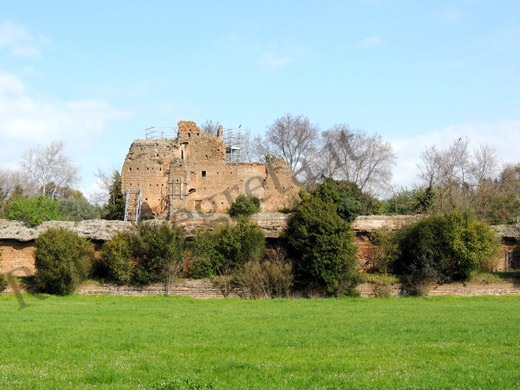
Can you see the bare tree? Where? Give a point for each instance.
(252, 149)
(458, 175)
(295, 139)
(50, 168)
(15, 181)
(355, 156)
(210, 127)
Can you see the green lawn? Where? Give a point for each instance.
(135, 342)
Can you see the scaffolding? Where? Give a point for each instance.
(161, 132)
(233, 141)
(178, 189)
(133, 205)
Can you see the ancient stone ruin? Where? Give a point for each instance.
(192, 172)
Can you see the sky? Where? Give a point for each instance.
(95, 74)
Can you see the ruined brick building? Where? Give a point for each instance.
(192, 172)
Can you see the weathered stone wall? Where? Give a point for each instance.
(17, 240)
(366, 290)
(199, 161)
(206, 289)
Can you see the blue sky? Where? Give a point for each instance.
(95, 74)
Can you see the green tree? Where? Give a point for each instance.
(63, 260)
(322, 245)
(77, 208)
(244, 206)
(349, 200)
(34, 210)
(115, 208)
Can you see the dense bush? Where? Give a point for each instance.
(349, 200)
(203, 258)
(63, 260)
(157, 247)
(450, 247)
(238, 245)
(244, 206)
(322, 246)
(117, 256)
(34, 210)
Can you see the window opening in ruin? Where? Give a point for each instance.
(203, 173)
(182, 154)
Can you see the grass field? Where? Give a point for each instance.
(178, 343)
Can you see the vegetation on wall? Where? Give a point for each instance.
(244, 206)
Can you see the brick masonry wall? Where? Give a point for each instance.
(199, 160)
(17, 258)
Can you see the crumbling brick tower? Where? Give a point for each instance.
(191, 172)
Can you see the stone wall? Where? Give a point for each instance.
(206, 289)
(366, 290)
(17, 240)
(195, 164)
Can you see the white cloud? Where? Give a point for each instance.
(504, 136)
(19, 41)
(27, 119)
(371, 41)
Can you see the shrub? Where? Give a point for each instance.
(244, 206)
(117, 256)
(238, 245)
(271, 278)
(34, 210)
(203, 258)
(322, 245)
(253, 280)
(156, 246)
(280, 272)
(444, 248)
(63, 260)
(3, 282)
